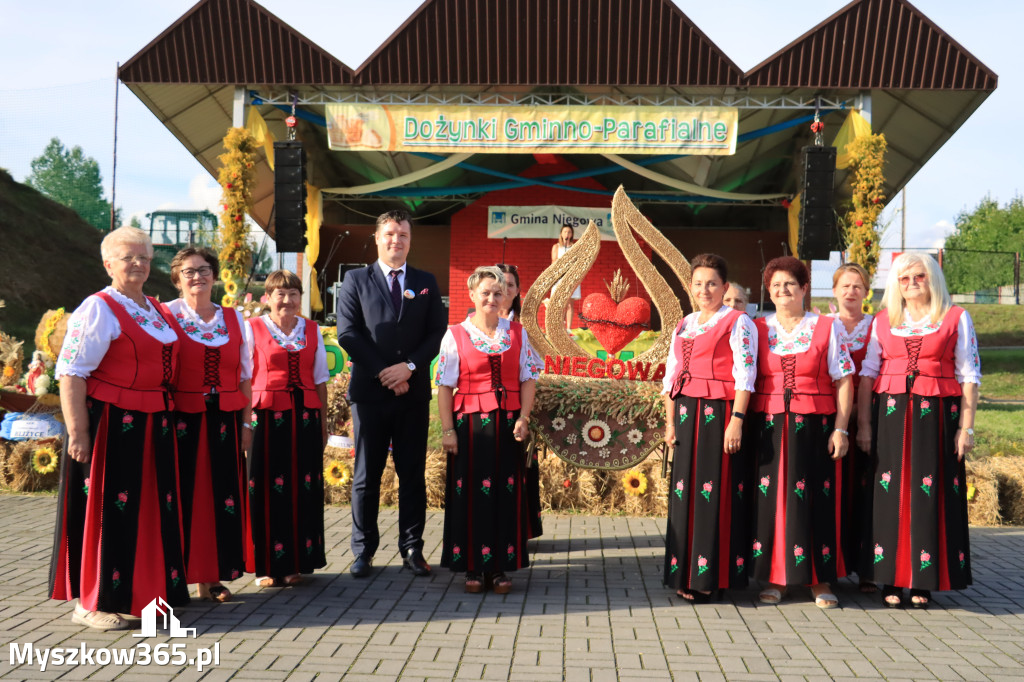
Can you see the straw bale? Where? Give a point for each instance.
(983, 508)
(23, 477)
(1009, 474)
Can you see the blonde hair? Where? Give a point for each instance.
(937, 291)
(487, 272)
(851, 267)
(124, 236)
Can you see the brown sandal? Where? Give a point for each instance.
(213, 592)
(499, 583)
(293, 579)
(474, 584)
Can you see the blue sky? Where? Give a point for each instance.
(59, 61)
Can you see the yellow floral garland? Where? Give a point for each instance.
(860, 225)
(236, 176)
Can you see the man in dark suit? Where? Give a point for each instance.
(390, 321)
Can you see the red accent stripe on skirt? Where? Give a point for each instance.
(777, 574)
(92, 536)
(903, 574)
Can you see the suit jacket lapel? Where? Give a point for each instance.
(410, 282)
(382, 286)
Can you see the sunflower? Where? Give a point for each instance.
(337, 473)
(867, 308)
(9, 371)
(227, 275)
(230, 287)
(44, 460)
(227, 300)
(634, 482)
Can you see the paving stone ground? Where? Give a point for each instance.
(591, 607)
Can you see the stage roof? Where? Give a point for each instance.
(919, 85)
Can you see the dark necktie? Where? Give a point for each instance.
(396, 292)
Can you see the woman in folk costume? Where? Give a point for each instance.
(511, 309)
(708, 380)
(118, 537)
(851, 286)
(800, 421)
(917, 418)
(286, 487)
(212, 403)
(486, 379)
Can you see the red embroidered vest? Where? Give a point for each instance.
(204, 369)
(136, 372)
(484, 377)
(802, 377)
(922, 365)
(276, 371)
(704, 363)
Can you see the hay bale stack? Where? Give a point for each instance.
(983, 506)
(22, 474)
(1009, 474)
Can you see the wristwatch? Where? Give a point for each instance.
(970, 432)
(411, 366)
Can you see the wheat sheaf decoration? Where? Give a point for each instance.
(569, 271)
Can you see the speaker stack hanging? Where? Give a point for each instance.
(290, 196)
(818, 232)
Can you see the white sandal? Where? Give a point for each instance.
(98, 620)
(770, 595)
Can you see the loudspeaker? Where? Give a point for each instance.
(290, 196)
(818, 233)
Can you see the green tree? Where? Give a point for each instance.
(73, 179)
(135, 222)
(989, 227)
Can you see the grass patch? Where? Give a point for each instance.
(1002, 374)
(999, 431)
(997, 325)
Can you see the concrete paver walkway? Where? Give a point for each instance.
(591, 607)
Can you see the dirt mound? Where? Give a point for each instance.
(49, 258)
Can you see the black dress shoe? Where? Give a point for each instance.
(415, 562)
(361, 566)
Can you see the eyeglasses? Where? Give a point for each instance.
(141, 260)
(917, 277)
(204, 271)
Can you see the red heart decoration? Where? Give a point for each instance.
(615, 325)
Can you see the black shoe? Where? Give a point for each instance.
(361, 566)
(924, 595)
(414, 561)
(892, 591)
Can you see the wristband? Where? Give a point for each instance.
(445, 432)
(738, 414)
(843, 431)
(246, 425)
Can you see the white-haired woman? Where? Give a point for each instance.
(485, 377)
(118, 535)
(917, 419)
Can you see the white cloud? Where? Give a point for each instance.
(205, 192)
